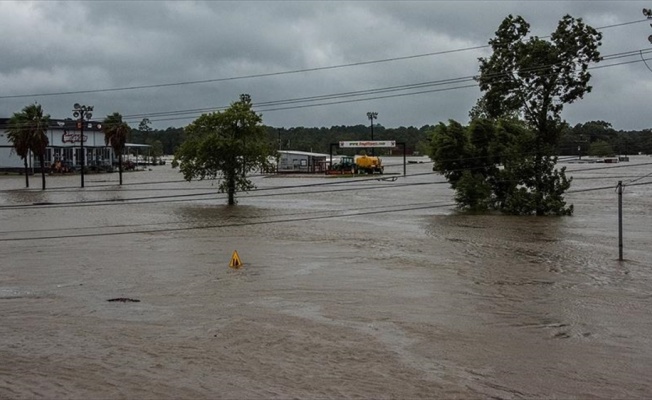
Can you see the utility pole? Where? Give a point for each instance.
(280, 147)
(372, 115)
(619, 189)
(82, 114)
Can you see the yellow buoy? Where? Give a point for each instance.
(235, 260)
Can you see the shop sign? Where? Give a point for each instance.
(68, 137)
(369, 143)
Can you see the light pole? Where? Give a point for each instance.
(82, 114)
(372, 115)
(648, 14)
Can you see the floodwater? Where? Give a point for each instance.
(351, 288)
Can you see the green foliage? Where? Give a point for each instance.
(302, 138)
(472, 192)
(145, 129)
(115, 135)
(533, 79)
(319, 139)
(156, 150)
(115, 132)
(490, 165)
(601, 148)
(27, 133)
(225, 146)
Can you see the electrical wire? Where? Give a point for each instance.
(265, 222)
(413, 206)
(243, 217)
(223, 226)
(295, 71)
(256, 192)
(190, 197)
(366, 95)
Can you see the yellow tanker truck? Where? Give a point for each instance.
(361, 165)
(369, 165)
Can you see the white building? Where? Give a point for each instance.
(302, 161)
(65, 146)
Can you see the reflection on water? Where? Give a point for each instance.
(219, 214)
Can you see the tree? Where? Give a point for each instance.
(601, 148)
(485, 166)
(225, 146)
(115, 135)
(145, 129)
(27, 133)
(156, 151)
(534, 79)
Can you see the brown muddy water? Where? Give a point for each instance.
(350, 289)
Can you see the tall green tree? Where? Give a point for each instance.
(27, 133)
(156, 151)
(484, 164)
(225, 146)
(144, 127)
(145, 130)
(115, 135)
(534, 78)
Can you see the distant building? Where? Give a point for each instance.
(301, 162)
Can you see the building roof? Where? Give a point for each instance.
(68, 123)
(137, 145)
(302, 153)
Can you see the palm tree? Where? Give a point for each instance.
(115, 135)
(27, 133)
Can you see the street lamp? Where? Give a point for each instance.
(648, 14)
(82, 114)
(372, 115)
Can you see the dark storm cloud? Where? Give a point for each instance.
(53, 47)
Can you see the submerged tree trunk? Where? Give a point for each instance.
(41, 159)
(26, 173)
(231, 189)
(538, 195)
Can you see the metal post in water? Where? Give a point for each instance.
(404, 161)
(620, 220)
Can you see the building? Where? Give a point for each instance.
(64, 149)
(301, 162)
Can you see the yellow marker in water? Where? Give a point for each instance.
(235, 260)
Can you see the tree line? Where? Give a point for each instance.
(310, 139)
(596, 138)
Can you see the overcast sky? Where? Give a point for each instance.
(157, 59)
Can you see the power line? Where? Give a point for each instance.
(266, 222)
(289, 72)
(257, 192)
(407, 207)
(296, 71)
(194, 197)
(245, 217)
(369, 94)
(230, 225)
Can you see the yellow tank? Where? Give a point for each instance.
(369, 165)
